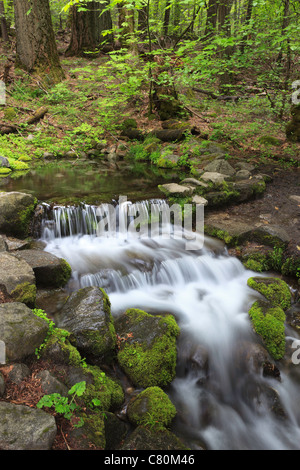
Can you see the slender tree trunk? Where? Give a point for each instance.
(247, 21)
(4, 28)
(166, 19)
(87, 27)
(36, 46)
(211, 20)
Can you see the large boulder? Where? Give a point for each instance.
(148, 347)
(49, 270)
(16, 211)
(86, 314)
(17, 276)
(24, 428)
(21, 331)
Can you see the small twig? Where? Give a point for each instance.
(196, 114)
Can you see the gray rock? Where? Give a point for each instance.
(214, 177)
(49, 270)
(4, 163)
(244, 166)
(18, 373)
(21, 331)
(3, 245)
(18, 278)
(174, 189)
(220, 166)
(86, 315)
(200, 200)
(24, 428)
(193, 182)
(243, 175)
(16, 211)
(295, 198)
(50, 384)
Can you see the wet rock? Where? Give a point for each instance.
(115, 431)
(49, 270)
(151, 404)
(21, 331)
(144, 439)
(18, 278)
(16, 211)
(147, 338)
(86, 314)
(24, 428)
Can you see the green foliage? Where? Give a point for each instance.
(63, 405)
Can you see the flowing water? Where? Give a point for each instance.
(223, 401)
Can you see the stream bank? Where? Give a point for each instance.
(262, 231)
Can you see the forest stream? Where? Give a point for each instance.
(222, 401)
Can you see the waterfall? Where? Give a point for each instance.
(223, 402)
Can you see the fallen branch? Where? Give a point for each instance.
(38, 115)
(218, 97)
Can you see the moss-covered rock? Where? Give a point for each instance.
(16, 211)
(268, 323)
(148, 353)
(92, 434)
(273, 289)
(50, 271)
(106, 390)
(145, 439)
(25, 293)
(152, 407)
(86, 314)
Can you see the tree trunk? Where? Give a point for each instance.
(211, 20)
(87, 28)
(247, 21)
(166, 19)
(4, 28)
(36, 46)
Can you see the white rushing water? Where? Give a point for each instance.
(222, 401)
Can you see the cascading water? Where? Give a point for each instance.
(223, 401)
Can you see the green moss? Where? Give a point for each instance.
(25, 293)
(18, 165)
(275, 290)
(64, 273)
(152, 407)
(24, 218)
(106, 390)
(93, 431)
(150, 361)
(256, 262)
(5, 171)
(221, 235)
(291, 267)
(269, 324)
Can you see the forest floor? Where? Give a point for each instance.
(100, 93)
